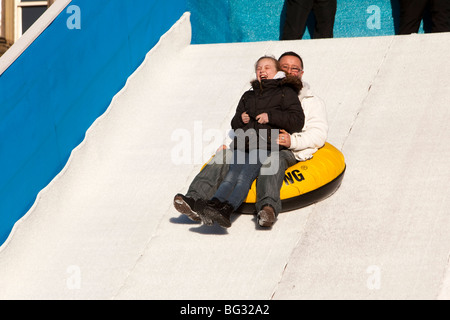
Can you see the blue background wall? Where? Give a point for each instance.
(66, 79)
(255, 20)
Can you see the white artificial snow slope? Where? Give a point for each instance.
(105, 228)
(445, 291)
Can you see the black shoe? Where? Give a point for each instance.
(185, 205)
(219, 212)
(199, 208)
(266, 217)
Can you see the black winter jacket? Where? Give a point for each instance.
(279, 99)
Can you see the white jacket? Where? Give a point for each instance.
(315, 131)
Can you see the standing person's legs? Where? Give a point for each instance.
(440, 15)
(411, 14)
(297, 12)
(325, 13)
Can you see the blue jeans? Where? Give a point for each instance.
(238, 181)
(269, 184)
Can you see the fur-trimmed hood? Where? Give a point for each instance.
(280, 79)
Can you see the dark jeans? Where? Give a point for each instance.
(238, 181)
(208, 180)
(412, 11)
(268, 186)
(297, 12)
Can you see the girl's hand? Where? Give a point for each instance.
(263, 118)
(245, 118)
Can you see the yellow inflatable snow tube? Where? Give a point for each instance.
(307, 182)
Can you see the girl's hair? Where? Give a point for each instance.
(275, 61)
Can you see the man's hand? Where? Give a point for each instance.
(263, 118)
(284, 139)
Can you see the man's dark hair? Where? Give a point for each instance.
(293, 54)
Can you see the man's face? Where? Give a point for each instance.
(292, 65)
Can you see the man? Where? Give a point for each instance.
(297, 12)
(412, 11)
(302, 146)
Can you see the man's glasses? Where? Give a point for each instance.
(291, 69)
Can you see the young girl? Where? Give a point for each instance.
(272, 104)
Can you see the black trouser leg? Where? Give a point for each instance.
(297, 12)
(411, 13)
(207, 181)
(325, 13)
(440, 15)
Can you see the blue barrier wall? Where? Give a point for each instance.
(65, 80)
(255, 20)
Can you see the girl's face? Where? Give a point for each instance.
(266, 69)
